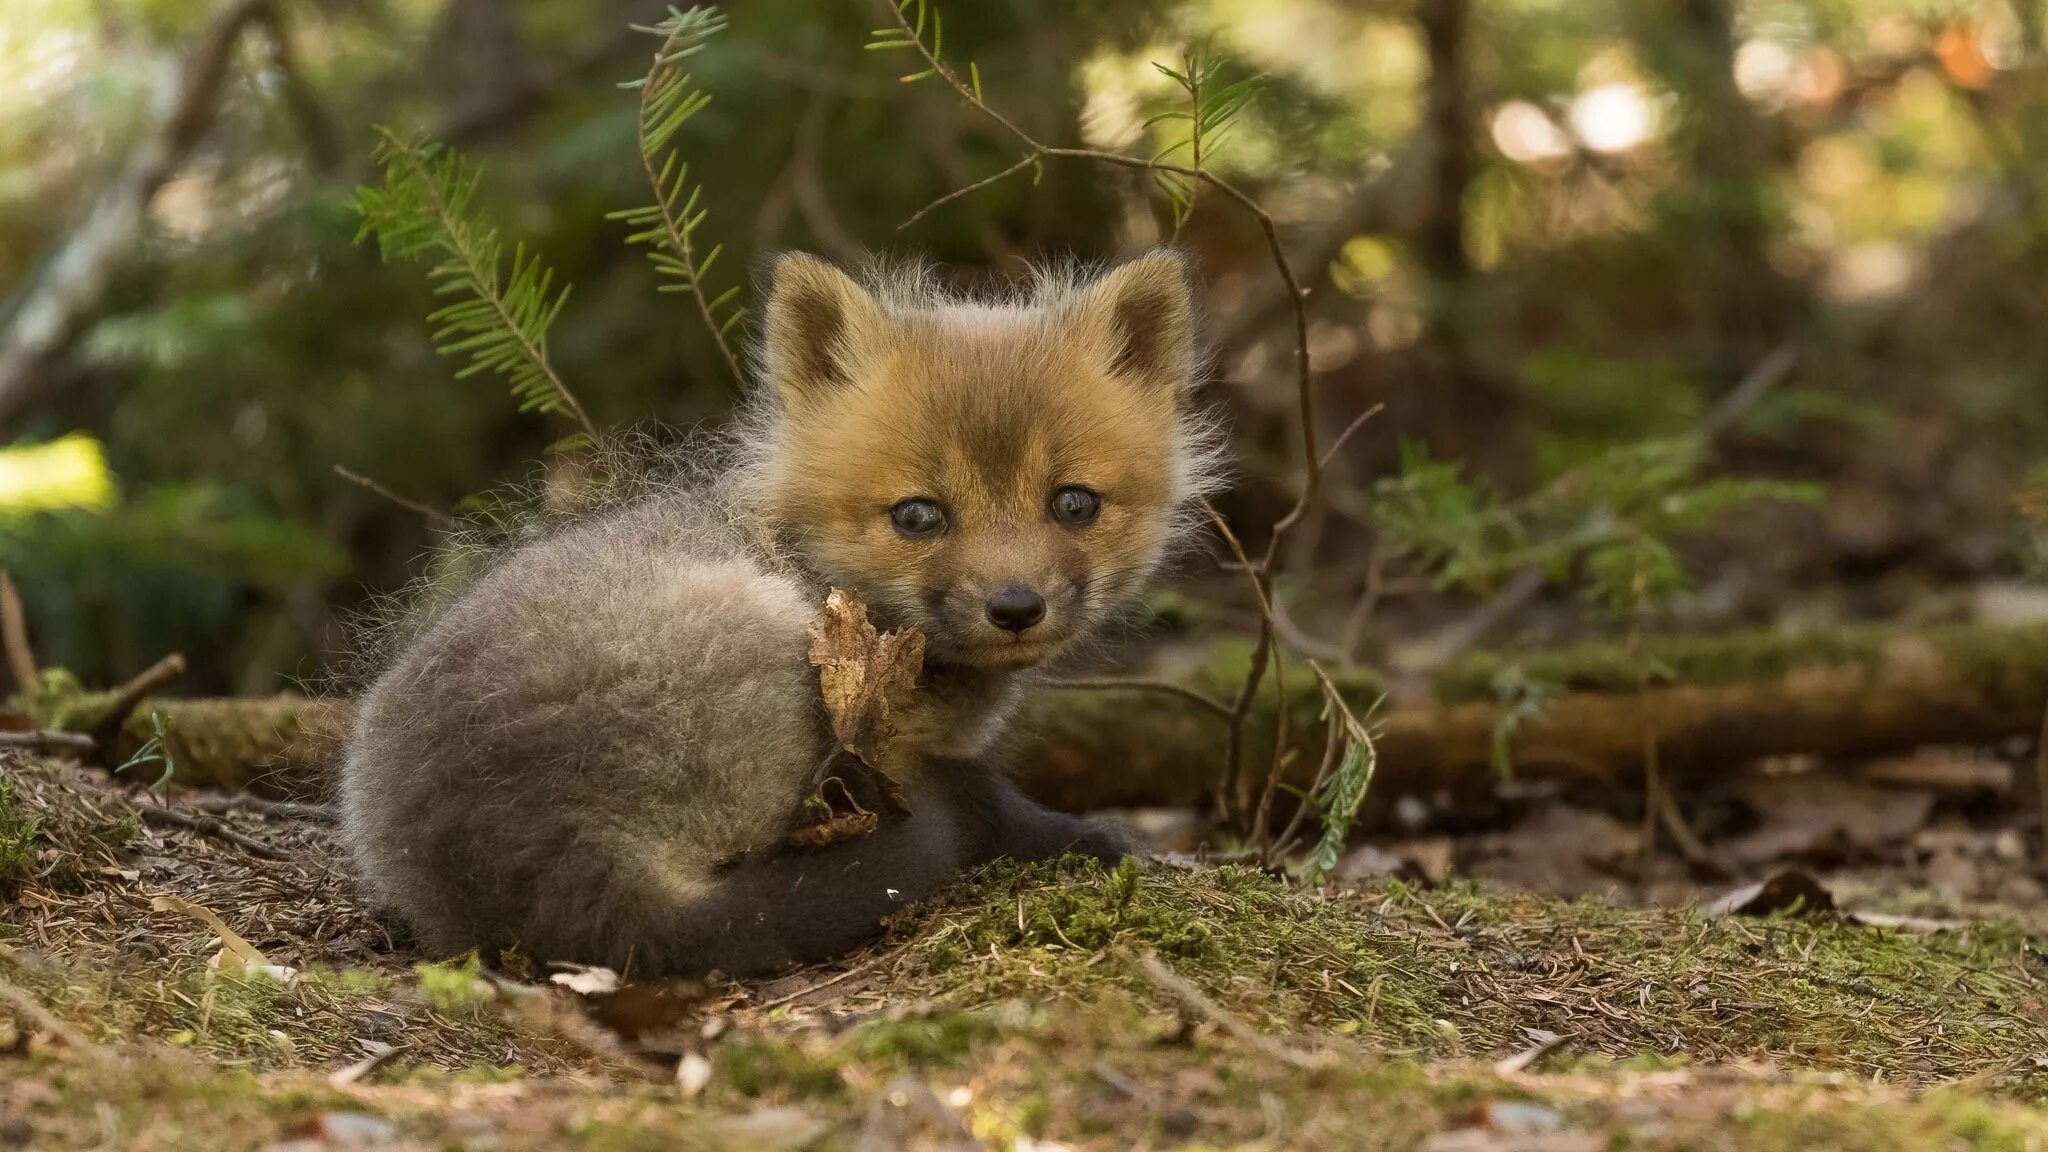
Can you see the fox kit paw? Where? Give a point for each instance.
(1103, 839)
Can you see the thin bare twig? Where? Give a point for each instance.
(262, 806)
(208, 826)
(1173, 984)
(427, 512)
(32, 1010)
(21, 658)
(108, 731)
(1368, 603)
(1162, 687)
(1333, 747)
(1351, 429)
(1751, 389)
(45, 740)
(1295, 635)
(820, 986)
(1298, 637)
(1235, 802)
(1683, 838)
(1266, 649)
(969, 190)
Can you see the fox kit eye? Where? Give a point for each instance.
(917, 518)
(1075, 506)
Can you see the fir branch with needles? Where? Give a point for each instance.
(667, 228)
(500, 317)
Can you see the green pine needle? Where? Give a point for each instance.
(498, 322)
(669, 99)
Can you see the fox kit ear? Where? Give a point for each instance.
(1148, 308)
(814, 316)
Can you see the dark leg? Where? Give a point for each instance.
(787, 905)
(1000, 821)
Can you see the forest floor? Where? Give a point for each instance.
(165, 985)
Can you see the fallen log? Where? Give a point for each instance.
(1713, 704)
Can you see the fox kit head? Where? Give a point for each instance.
(1001, 475)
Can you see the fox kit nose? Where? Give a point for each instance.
(1013, 608)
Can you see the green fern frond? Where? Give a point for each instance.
(499, 322)
(667, 228)
(1338, 798)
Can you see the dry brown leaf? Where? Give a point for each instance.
(236, 956)
(1792, 890)
(1812, 815)
(840, 816)
(835, 829)
(866, 676)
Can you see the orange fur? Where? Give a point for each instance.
(888, 391)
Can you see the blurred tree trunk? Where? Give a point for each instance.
(475, 54)
(1469, 414)
(1720, 216)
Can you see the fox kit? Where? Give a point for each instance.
(598, 751)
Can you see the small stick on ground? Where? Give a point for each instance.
(1683, 838)
(108, 731)
(45, 741)
(1172, 983)
(283, 809)
(32, 1010)
(21, 659)
(208, 826)
(821, 985)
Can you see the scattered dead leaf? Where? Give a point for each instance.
(1942, 769)
(1541, 1042)
(585, 979)
(236, 956)
(1426, 861)
(1918, 925)
(1788, 891)
(866, 675)
(657, 1016)
(1560, 848)
(1820, 815)
(839, 816)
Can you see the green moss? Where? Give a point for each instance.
(17, 842)
(1044, 931)
(768, 1066)
(455, 987)
(2006, 664)
(1459, 972)
(1704, 660)
(114, 833)
(922, 1040)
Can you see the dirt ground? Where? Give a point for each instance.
(199, 975)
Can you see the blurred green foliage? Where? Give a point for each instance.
(1658, 196)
